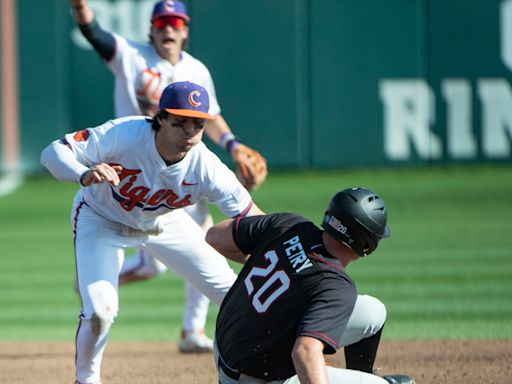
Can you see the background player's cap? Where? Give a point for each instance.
(184, 98)
(170, 8)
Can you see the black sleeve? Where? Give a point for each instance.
(248, 232)
(102, 41)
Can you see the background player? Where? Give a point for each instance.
(134, 171)
(293, 301)
(141, 73)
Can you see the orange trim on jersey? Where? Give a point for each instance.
(82, 135)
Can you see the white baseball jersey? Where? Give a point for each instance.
(141, 212)
(141, 75)
(149, 188)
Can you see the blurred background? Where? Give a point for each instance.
(412, 98)
(323, 84)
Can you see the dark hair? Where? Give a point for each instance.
(161, 114)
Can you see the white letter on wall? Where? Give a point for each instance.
(461, 141)
(506, 32)
(409, 111)
(496, 99)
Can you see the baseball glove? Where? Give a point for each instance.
(251, 167)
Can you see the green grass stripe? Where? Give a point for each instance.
(445, 272)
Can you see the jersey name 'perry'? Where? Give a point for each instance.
(296, 255)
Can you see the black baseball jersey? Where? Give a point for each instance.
(290, 287)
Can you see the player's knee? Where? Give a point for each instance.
(372, 314)
(105, 305)
(366, 320)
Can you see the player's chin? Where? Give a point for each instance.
(187, 146)
(167, 47)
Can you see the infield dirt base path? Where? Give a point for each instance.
(429, 362)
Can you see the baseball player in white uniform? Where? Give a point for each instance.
(141, 72)
(136, 173)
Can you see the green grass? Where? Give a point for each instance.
(446, 271)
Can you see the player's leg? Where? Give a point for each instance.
(143, 266)
(335, 375)
(362, 335)
(140, 266)
(97, 266)
(349, 376)
(193, 336)
(182, 248)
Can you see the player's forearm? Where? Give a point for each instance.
(219, 132)
(101, 40)
(62, 163)
(214, 129)
(83, 14)
(254, 211)
(309, 362)
(310, 372)
(220, 237)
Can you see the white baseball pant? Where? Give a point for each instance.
(196, 304)
(99, 252)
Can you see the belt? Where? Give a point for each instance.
(229, 372)
(132, 232)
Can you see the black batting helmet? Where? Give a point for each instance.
(357, 216)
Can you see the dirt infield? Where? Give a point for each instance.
(430, 362)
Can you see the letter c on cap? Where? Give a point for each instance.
(191, 100)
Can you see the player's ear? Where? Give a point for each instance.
(161, 120)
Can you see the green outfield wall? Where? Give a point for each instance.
(310, 83)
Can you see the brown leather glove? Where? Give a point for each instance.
(251, 167)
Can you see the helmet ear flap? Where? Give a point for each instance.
(370, 245)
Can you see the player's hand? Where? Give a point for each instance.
(81, 11)
(77, 4)
(251, 167)
(101, 172)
